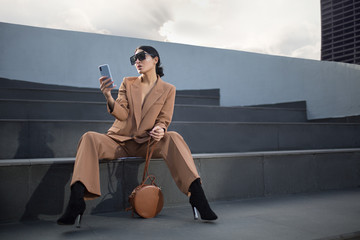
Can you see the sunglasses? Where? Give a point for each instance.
(141, 56)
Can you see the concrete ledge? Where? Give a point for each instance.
(31, 188)
(59, 138)
(96, 110)
(47, 161)
(201, 97)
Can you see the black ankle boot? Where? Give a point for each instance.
(76, 206)
(198, 202)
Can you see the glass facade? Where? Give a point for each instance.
(340, 31)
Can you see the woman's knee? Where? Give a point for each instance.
(88, 138)
(172, 134)
(173, 137)
(89, 135)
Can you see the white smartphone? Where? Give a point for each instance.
(105, 72)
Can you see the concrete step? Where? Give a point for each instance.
(13, 89)
(59, 138)
(238, 114)
(42, 185)
(78, 110)
(349, 119)
(94, 96)
(297, 104)
(205, 137)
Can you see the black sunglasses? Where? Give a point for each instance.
(141, 56)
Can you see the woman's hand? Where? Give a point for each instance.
(157, 133)
(105, 84)
(105, 88)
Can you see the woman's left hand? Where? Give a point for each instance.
(157, 133)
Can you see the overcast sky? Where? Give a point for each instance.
(279, 27)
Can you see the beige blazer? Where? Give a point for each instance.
(133, 119)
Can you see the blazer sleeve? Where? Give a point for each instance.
(165, 116)
(121, 106)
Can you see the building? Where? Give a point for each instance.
(340, 22)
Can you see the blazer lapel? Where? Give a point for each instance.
(153, 96)
(136, 98)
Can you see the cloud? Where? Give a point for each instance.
(279, 27)
(276, 27)
(302, 41)
(76, 19)
(131, 18)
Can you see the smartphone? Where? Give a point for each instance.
(105, 72)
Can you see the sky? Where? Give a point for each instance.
(278, 27)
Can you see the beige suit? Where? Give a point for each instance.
(128, 136)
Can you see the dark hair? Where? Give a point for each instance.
(152, 51)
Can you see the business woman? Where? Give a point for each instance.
(143, 110)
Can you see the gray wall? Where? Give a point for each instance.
(71, 58)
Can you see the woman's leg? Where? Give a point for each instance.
(92, 147)
(178, 158)
(173, 149)
(85, 181)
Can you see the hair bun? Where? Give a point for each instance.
(159, 71)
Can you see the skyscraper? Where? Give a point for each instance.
(340, 30)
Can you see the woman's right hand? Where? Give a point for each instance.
(105, 88)
(105, 84)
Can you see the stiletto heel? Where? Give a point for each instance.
(196, 216)
(76, 206)
(72, 215)
(199, 202)
(78, 220)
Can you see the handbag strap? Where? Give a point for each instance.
(149, 153)
(152, 180)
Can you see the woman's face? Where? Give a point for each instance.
(146, 65)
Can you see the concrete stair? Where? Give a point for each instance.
(86, 110)
(59, 138)
(16, 90)
(240, 151)
(37, 187)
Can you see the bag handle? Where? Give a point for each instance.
(152, 180)
(149, 153)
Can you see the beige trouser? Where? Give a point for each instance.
(94, 146)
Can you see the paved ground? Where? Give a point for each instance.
(329, 215)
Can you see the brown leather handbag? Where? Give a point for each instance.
(146, 200)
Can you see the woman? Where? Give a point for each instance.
(142, 110)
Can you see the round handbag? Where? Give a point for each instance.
(147, 200)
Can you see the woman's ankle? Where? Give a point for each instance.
(77, 191)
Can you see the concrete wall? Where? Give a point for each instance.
(42, 185)
(71, 58)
